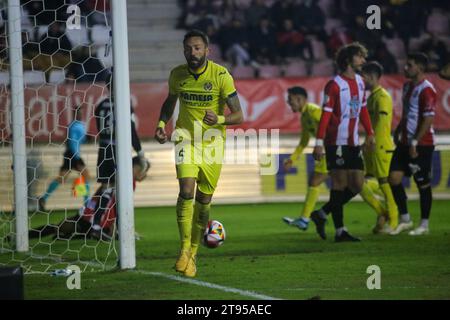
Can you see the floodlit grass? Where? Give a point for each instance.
(262, 255)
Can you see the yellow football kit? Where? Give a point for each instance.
(377, 163)
(199, 150)
(379, 105)
(310, 121)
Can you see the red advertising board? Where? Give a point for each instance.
(48, 108)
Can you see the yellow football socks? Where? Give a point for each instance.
(391, 205)
(310, 201)
(199, 222)
(184, 219)
(371, 200)
(375, 187)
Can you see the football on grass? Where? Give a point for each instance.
(214, 234)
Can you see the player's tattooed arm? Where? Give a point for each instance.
(168, 107)
(236, 116)
(166, 113)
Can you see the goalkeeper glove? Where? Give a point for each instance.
(143, 162)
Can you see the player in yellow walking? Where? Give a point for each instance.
(310, 114)
(309, 119)
(203, 88)
(377, 163)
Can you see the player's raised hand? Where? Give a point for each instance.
(318, 153)
(160, 135)
(210, 118)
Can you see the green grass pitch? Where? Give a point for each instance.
(264, 256)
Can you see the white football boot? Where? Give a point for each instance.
(402, 226)
(419, 231)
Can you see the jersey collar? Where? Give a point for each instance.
(377, 88)
(304, 108)
(197, 75)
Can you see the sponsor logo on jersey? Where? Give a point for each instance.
(196, 97)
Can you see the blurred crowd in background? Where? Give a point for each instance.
(281, 32)
(268, 38)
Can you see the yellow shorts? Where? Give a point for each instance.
(204, 164)
(321, 166)
(377, 163)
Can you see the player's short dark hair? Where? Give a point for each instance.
(419, 58)
(298, 91)
(196, 33)
(373, 67)
(346, 53)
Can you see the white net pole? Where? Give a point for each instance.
(124, 173)
(18, 126)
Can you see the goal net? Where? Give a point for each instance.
(66, 57)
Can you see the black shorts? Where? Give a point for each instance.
(401, 161)
(106, 164)
(70, 163)
(344, 158)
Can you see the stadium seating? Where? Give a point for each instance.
(100, 35)
(215, 54)
(296, 69)
(163, 45)
(41, 30)
(319, 50)
(4, 77)
(323, 68)
(33, 77)
(415, 43)
(269, 71)
(438, 23)
(326, 6)
(396, 47)
(332, 24)
(57, 76)
(243, 72)
(78, 37)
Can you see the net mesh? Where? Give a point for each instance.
(66, 61)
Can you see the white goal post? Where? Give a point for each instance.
(124, 186)
(18, 126)
(124, 183)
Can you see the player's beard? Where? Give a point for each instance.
(357, 68)
(196, 63)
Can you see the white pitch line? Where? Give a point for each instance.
(340, 289)
(245, 293)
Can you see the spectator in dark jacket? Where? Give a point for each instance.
(263, 42)
(292, 43)
(436, 51)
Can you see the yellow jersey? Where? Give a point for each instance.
(310, 118)
(197, 93)
(380, 109)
